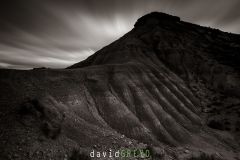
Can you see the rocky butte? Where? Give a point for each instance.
(169, 86)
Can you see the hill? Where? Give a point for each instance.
(167, 85)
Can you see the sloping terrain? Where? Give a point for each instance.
(166, 84)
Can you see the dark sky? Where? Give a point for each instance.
(58, 33)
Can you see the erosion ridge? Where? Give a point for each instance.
(161, 85)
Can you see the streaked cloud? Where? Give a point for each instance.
(58, 33)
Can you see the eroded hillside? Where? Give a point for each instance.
(160, 86)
